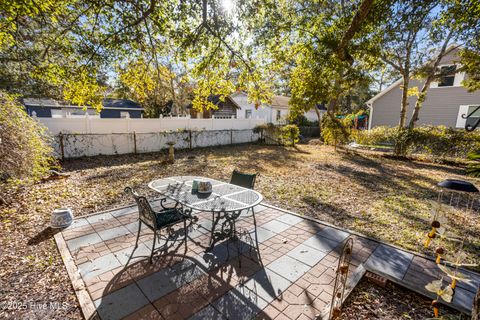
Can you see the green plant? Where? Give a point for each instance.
(474, 167)
(290, 134)
(301, 121)
(433, 141)
(332, 130)
(25, 146)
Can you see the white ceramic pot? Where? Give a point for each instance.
(61, 218)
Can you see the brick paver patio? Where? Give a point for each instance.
(291, 277)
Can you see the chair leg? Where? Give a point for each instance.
(256, 237)
(136, 243)
(138, 234)
(186, 234)
(153, 246)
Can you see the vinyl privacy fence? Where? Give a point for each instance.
(86, 145)
(88, 136)
(86, 124)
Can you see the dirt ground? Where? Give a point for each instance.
(370, 301)
(379, 197)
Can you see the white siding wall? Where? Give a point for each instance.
(266, 112)
(442, 106)
(263, 112)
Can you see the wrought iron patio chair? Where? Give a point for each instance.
(246, 180)
(157, 221)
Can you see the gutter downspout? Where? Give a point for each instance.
(370, 106)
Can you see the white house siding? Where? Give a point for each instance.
(266, 112)
(441, 106)
(263, 112)
(311, 115)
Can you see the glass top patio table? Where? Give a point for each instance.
(225, 197)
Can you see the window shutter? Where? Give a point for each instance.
(462, 110)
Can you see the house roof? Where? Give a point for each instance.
(384, 91)
(215, 99)
(280, 102)
(108, 103)
(120, 103)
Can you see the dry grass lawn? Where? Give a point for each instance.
(379, 197)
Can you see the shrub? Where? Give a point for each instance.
(474, 167)
(302, 121)
(25, 150)
(436, 141)
(332, 130)
(376, 136)
(290, 134)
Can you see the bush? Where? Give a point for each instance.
(332, 130)
(302, 121)
(437, 141)
(474, 167)
(25, 150)
(289, 134)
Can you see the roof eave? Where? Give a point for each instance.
(383, 92)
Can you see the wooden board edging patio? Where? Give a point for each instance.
(401, 282)
(86, 304)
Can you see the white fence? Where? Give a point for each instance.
(72, 145)
(129, 125)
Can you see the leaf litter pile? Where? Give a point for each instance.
(370, 301)
(382, 198)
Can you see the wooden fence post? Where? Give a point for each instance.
(231, 136)
(134, 142)
(190, 138)
(62, 152)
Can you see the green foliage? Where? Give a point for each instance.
(25, 150)
(474, 167)
(332, 130)
(290, 134)
(375, 136)
(153, 86)
(301, 121)
(263, 127)
(471, 65)
(435, 141)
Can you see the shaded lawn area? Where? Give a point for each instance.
(383, 198)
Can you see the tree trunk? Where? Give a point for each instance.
(404, 105)
(319, 116)
(331, 113)
(418, 104)
(431, 76)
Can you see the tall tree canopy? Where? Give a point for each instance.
(324, 48)
(60, 46)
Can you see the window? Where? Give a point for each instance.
(447, 76)
(279, 115)
(79, 113)
(57, 113)
(474, 111)
(248, 114)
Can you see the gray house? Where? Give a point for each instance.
(112, 108)
(447, 100)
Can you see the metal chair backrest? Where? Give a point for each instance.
(145, 211)
(245, 180)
